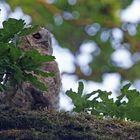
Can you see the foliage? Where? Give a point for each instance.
(74, 23)
(16, 65)
(106, 106)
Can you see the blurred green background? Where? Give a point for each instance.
(93, 31)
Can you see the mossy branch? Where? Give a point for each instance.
(17, 124)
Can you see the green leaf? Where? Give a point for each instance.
(14, 54)
(38, 84)
(28, 30)
(11, 27)
(4, 49)
(32, 60)
(16, 75)
(80, 101)
(126, 87)
(43, 73)
(80, 88)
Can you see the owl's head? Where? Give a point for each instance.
(39, 40)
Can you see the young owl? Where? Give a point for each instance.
(34, 98)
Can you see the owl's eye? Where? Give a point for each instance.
(37, 35)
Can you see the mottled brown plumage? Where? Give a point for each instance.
(32, 98)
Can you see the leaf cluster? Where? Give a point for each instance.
(16, 65)
(126, 106)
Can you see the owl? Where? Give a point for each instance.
(31, 97)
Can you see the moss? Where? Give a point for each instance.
(50, 125)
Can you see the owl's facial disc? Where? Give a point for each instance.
(40, 39)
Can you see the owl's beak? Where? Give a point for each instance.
(45, 43)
